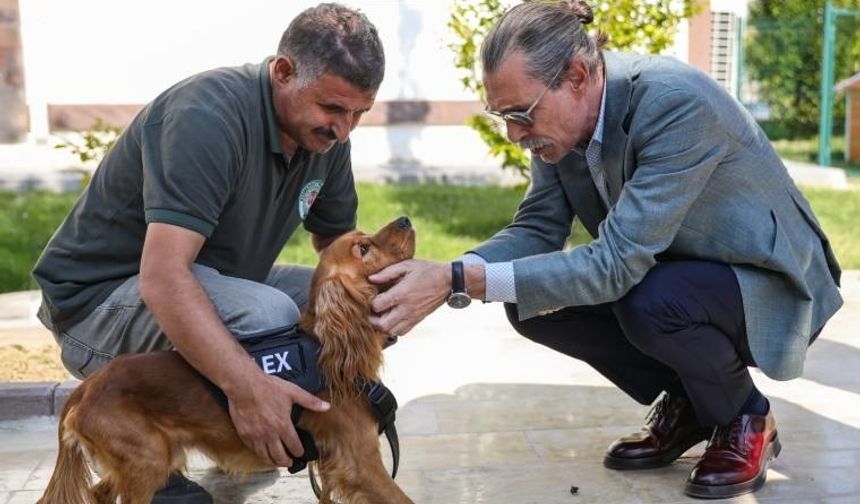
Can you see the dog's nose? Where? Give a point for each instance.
(404, 223)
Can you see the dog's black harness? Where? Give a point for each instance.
(290, 354)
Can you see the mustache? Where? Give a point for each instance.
(325, 132)
(533, 143)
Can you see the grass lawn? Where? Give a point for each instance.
(449, 221)
(27, 221)
(838, 212)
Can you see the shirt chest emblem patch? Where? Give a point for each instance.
(308, 196)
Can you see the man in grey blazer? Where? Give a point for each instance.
(706, 258)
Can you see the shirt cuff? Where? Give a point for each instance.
(499, 282)
(471, 258)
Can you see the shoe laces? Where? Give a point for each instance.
(658, 411)
(730, 438)
(659, 407)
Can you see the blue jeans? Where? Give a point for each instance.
(123, 324)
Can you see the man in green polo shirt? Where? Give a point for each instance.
(173, 243)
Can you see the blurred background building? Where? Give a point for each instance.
(64, 64)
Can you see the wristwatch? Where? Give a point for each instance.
(458, 297)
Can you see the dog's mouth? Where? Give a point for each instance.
(408, 246)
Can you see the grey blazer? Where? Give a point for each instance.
(690, 175)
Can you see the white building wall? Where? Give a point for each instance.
(113, 51)
(738, 7)
(127, 51)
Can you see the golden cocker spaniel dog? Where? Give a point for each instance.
(138, 416)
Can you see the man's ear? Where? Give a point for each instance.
(576, 74)
(284, 69)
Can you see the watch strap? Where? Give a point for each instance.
(458, 280)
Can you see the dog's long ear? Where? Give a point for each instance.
(343, 297)
(349, 348)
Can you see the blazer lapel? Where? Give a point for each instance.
(618, 93)
(582, 194)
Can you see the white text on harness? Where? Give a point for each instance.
(270, 366)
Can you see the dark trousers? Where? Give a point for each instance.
(682, 325)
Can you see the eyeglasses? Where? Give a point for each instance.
(520, 117)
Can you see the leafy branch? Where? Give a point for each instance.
(632, 25)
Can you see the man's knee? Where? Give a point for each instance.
(524, 327)
(646, 315)
(292, 280)
(568, 335)
(535, 328)
(266, 309)
(245, 306)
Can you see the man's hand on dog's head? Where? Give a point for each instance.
(261, 414)
(421, 287)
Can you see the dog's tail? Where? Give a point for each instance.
(71, 481)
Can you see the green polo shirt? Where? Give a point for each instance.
(204, 155)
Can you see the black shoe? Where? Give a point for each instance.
(672, 429)
(181, 490)
(736, 459)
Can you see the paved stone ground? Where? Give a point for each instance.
(488, 417)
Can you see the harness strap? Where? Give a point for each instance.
(384, 405)
(311, 452)
(291, 355)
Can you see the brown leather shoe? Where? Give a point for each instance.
(736, 459)
(671, 430)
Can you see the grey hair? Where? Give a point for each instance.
(548, 34)
(332, 38)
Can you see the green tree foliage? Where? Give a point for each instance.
(784, 57)
(91, 146)
(94, 143)
(632, 25)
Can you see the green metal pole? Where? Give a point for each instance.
(826, 122)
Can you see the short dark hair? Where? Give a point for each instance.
(548, 34)
(332, 38)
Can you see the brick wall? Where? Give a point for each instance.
(699, 48)
(62, 117)
(14, 121)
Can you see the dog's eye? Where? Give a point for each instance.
(363, 248)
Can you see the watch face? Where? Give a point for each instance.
(459, 300)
